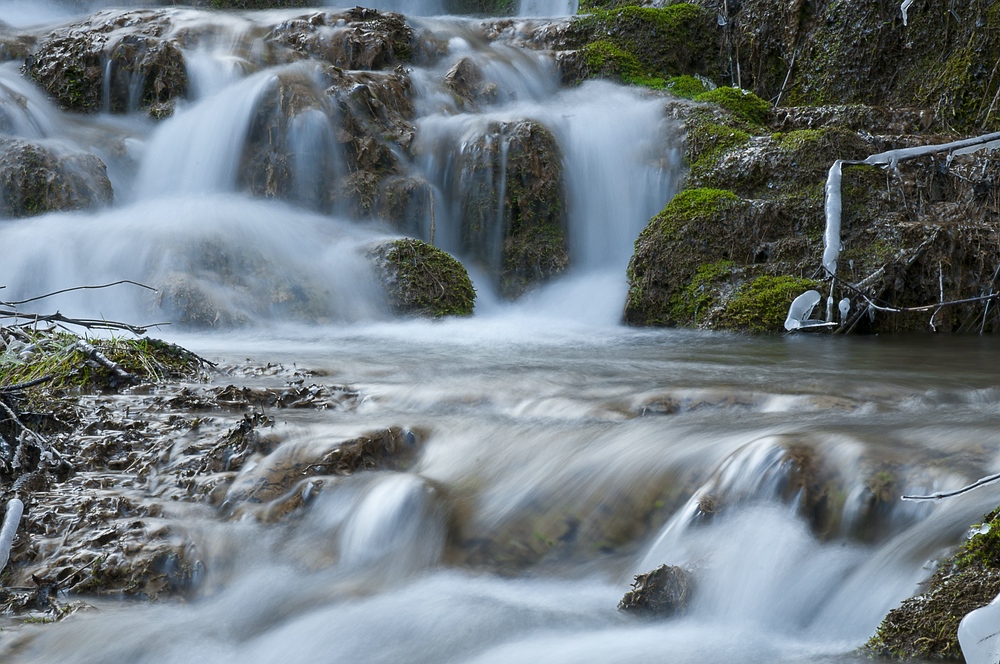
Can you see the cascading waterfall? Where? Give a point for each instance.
(560, 453)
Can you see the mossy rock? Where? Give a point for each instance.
(686, 87)
(481, 7)
(647, 45)
(36, 178)
(422, 280)
(926, 626)
(58, 354)
(365, 39)
(697, 226)
(761, 305)
(743, 104)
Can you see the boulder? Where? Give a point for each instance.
(119, 61)
(421, 280)
(36, 178)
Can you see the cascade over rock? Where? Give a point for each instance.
(513, 205)
(115, 60)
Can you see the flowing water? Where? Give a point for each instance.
(560, 453)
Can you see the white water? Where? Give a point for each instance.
(562, 453)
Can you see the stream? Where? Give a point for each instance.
(559, 453)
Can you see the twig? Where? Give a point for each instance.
(948, 494)
(76, 288)
(88, 323)
(6, 389)
(108, 364)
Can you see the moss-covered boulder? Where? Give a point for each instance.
(120, 61)
(421, 280)
(36, 178)
(647, 45)
(513, 204)
(926, 626)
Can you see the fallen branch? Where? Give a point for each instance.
(948, 494)
(102, 359)
(77, 288)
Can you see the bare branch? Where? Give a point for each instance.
(948, 494)
(77, 288)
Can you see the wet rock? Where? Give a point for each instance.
(421, 280)
(290, 152)
(292, 462)
(376, 121)
(523, 160)
(666, 591)
(357, 39)
(121, 61)
(36, 178)
(466, 80)
(405, 202)
(926, 626)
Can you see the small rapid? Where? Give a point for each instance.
(550, 453)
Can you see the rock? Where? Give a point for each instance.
(375, 114)
(466, 80)
(121, 61)
(530, 246)
(36, 178)
(647, 45)
(926, 626)
(421, 280)
(370, 39)
(294, 462)
(664, 592)
(405, 202)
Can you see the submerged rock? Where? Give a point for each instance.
(115, 60)
(36, 178)
(666, 591)
(421, 280)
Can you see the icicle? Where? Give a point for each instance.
(801, 309)
(978, 635)
(10, 520)
(906, 5)
(831, 238)
(845, 309)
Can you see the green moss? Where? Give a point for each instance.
(745, 105)
(422, 280)
(606, 60)
(761, 305)
(694, 203)
(664, 42)
(685, 86)
(698, 296)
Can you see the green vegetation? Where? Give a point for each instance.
(59, 354)
(745, 105)
(685, 86)
(693, 203)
